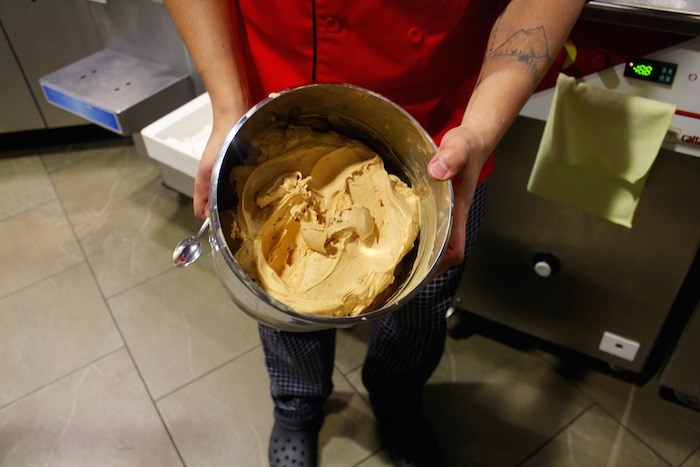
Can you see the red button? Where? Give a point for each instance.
(415, 35)
(332, 24)
(600, 61)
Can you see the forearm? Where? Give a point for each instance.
(523, 43)
(207, 30)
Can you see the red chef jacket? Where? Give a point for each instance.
(424, 55)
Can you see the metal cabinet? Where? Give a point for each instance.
(18, 108)
(43, 37)
(682, 370)
(134, 43)
(609, 278)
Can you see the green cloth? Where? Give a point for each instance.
(597, 149)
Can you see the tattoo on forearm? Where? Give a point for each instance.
(528, 46)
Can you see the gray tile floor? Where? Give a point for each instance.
(109, 356)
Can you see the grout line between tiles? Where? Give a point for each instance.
(369, 406)
(690, 456)
(146, 280)
(143, 381)
(349, 371)
(33, 208)
(354, 388)
(628, 429)
(556, 434)
(56, 200)
(93, 146)
(624, 425)
(371, 455)
(64, 376)
(33, 284)
(206, 373)
(116, 325)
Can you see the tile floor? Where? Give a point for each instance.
(110, 356)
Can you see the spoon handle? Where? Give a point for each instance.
(205, 226)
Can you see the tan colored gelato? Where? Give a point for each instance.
(321, 224)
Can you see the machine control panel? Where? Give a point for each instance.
(678, 84)
(650, 70)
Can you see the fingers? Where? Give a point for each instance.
(463, 194)
(200, 202)
(454, 254)
(202, 182)
(223, 122)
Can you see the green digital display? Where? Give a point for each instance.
(651, 70)
(642, 69)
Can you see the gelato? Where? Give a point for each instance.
(321, 225)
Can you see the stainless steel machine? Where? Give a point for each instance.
(118, 64)
(680, 373)
(570, 278)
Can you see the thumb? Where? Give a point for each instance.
(450, 158)
(446, 163)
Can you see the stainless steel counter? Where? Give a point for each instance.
(675, 16)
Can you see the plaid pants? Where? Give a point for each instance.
(404, 349)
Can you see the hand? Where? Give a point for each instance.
(202, 181)
(460, 158)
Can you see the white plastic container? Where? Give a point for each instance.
(176, 141)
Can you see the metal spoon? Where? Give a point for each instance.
(189, 249)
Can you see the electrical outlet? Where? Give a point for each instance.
(619, 346)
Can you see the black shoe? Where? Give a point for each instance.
(294, 443)
(407, 436)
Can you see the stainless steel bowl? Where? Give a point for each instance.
(360, 114)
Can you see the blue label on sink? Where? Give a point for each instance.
(72, 104)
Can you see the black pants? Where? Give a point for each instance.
(405, 346)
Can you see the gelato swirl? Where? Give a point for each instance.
(321, 224)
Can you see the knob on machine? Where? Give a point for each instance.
(545, 264)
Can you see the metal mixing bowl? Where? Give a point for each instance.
(357, 113)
